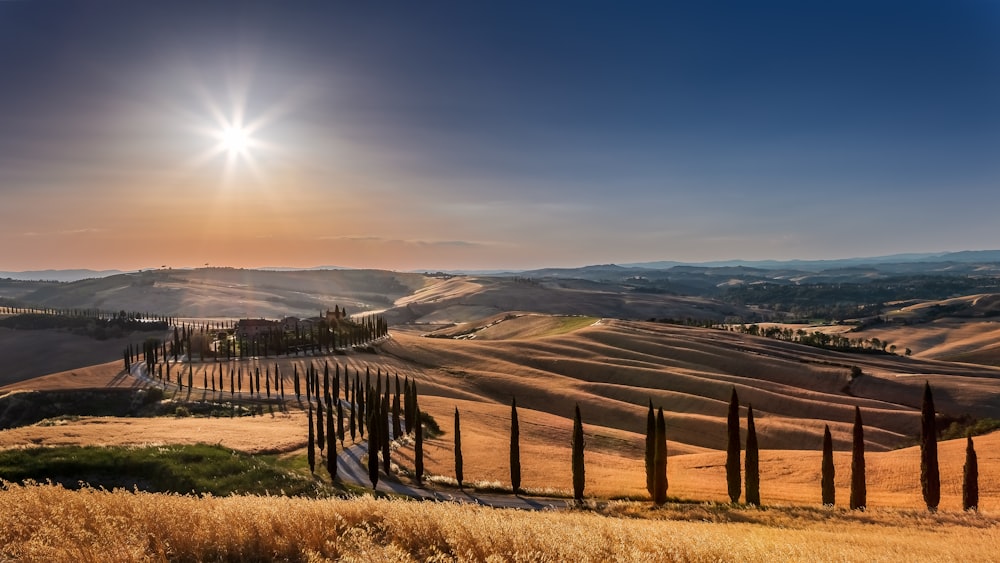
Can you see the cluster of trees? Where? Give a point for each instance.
(224, 339)
(97, 314)
(96, 324)
(841, 301)
(386, 415)
(816, 339)
(189, 340)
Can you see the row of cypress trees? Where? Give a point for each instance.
(656, 449)
(579, 471)
(930, 479)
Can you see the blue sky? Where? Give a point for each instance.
(495, 135)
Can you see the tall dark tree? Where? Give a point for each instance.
(311, 444)
(397, 421)
(859, 489)
(650, 448)
(458, 450)
(930, 478)
(373, 451)
(515, 448)
(340, 422)
(360, 403)
(407, 406)
(331, 446)
(733, 448)
(970, 477)
(320, 435)
(829, 472)
(384, 431)
(397, 427)
(660, 460)
(354, 408)
(579, 477)
(418, 448)
(752, 462)
(309, 383)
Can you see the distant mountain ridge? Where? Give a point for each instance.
(964, 256)
(59, 275)
(939, 259)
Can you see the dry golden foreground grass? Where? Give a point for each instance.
(51, 524)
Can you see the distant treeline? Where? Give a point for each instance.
(95, 324)
(840, 301)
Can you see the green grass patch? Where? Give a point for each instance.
(198, 469)
(570, 324)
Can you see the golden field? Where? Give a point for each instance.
(50, 524)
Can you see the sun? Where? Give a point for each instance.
(235, 139)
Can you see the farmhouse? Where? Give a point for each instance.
(249, 328)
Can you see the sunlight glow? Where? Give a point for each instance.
(235, 139)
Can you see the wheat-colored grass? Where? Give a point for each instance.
(47, 523)
(271, 432)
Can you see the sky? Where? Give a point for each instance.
(494, 135)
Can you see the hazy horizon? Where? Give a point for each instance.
(460, 136)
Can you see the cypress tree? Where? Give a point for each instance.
(418, 448)
(859, 490)
(930, 478)
(373, 451)
(320, 435)
(397, 422)
(458, 450)
(362, 391)
(660, 460)
(515, 448)
(579, 479)
(829, 472)
(384, 430)
(354, 408)
(397, 429)
(407, 406)
(650, 448)
(733, 448)
(752, 462)
(310, 448)
(340, 422)
(375, 401)
(326, 382)
(331, 446)
(970, 477)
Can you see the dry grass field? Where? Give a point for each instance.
(51, 524)
(469, 299)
